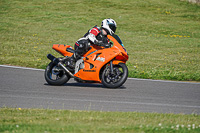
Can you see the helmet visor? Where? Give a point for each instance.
(113, 27)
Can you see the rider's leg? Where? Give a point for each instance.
(81, 47)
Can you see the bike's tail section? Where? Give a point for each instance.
(62, 49)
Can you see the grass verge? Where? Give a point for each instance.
(42, 120)
(162, 37)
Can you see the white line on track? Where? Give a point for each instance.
(103, 101)
(34, 69)
(26, 68)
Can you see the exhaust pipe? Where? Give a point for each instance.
(53, 59)
(60, 64)
(57, 62)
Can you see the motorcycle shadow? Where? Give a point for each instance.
(91, 85)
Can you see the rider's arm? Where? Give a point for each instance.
(92, 38)
(92, 35)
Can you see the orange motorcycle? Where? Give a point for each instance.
(106, 65)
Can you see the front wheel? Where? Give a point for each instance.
(117, 78)
(55, 75)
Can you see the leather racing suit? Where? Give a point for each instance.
(94, 36)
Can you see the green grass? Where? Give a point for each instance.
(162, 37)
(41, 120)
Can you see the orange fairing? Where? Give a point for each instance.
(60, 48)
(93, 64)
(97, 57)
(122, 55)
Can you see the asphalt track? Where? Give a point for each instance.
(27, 88)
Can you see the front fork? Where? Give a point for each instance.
(111, 67)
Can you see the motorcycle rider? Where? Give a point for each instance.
(97, 36)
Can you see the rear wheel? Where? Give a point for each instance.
(55, 75)
(117, 78)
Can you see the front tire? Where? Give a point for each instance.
(118, 78)
(55, 75)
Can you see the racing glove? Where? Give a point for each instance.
(98, 43)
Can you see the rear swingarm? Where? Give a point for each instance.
(57, 62)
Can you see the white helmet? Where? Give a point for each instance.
(109, 25)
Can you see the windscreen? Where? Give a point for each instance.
(118, 39)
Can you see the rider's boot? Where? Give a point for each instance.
(72, 61)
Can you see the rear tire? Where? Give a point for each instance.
(55, 75)
(118, 78)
